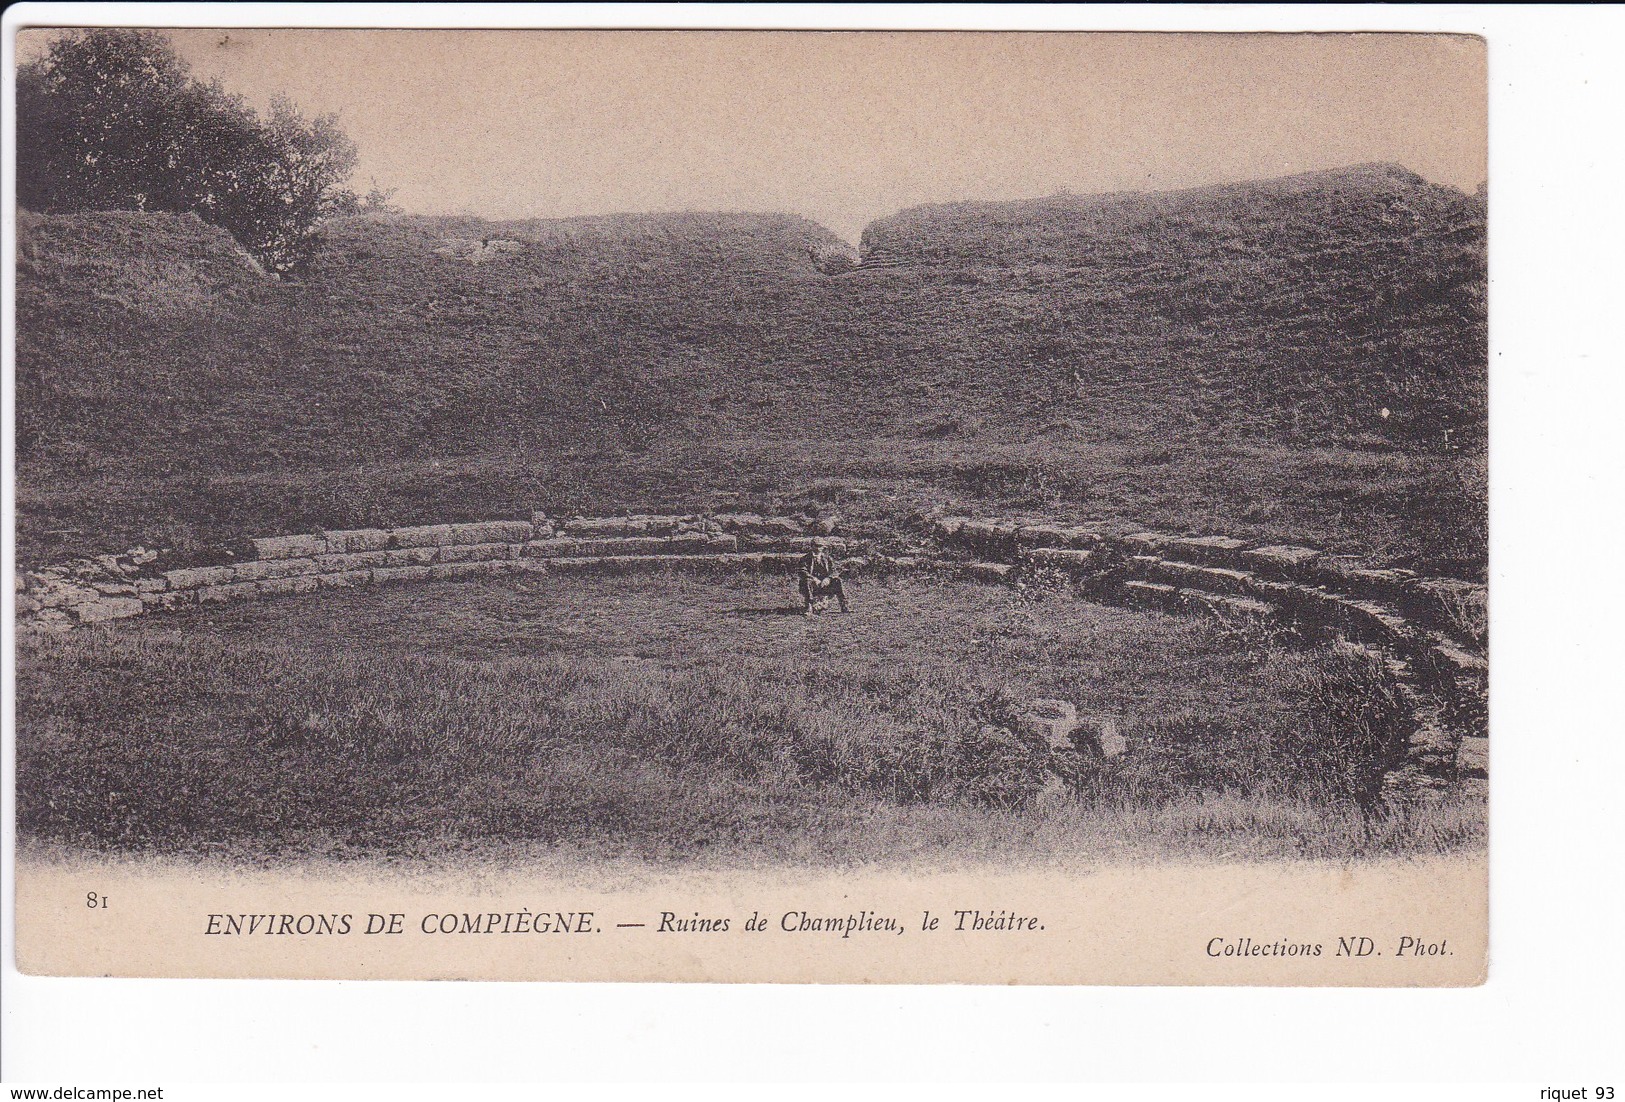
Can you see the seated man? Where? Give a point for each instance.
(820, 577)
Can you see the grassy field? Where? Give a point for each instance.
(697, 721)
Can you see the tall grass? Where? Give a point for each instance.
(257, 738)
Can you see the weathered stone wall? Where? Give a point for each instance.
(1431, 633)
(112, 587)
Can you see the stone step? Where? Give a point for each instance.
(629, 545)
(1446, 602)
(447, 571)
(1189, 575)
(1207, 550)
(1062, 558)
(268, 570)
(1473, 757)
(736, 560)
(985, 536)
(1008, 537)
(1441, 603)
(641, 524)
(988, 571)
(1150, 594)
(1281, 562)
(1228, 608)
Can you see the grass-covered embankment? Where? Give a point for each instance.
(1300, 360)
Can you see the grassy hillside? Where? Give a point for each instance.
(1211, 360)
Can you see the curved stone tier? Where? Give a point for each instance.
(1428, 633)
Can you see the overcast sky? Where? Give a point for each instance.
(845, 128)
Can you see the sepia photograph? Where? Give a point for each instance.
(860, 507)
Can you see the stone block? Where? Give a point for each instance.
(607, 564)
(1055, 535)
(1473, 757)
(989, 571)
(1232, 608)
(1186, 575)
(264, 570)
(1457, 660)
(800, 544)
(610, 564)
(1214, 550)
(1051, 720)
(387, 574)
(231, 591)
(541, 549)
(361, 560)
(1149, 594)
(781, 526)
(1382, 585)
(168, 600)
(604, 527)
(492, 531)
(1462, 608)
(195, 577)
(1283, 595)
(347, 579)
(478, 552)
(410, 556)
(288, 547)
(988, 536)
(1282, 561)
(47, 620)
(1431, 741)
(1372, 621)
(109, 566)
(627, 545)
(62, 594)
(288, 586)
(352, 540)
(736, 522)
(422, 535)
(108, 608)
(151, 585)
(1143, 543)
(666, 524)
(1061, 558)
(451, 571)
(1100, 735)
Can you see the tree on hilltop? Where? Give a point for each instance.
(111, 119)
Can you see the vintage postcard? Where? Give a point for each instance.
(789, 507)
